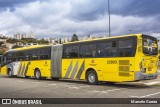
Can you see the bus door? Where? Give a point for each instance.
(72, 65)
(3, 66)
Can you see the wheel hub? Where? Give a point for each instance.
(91, 78)
(10, 73)
(37, 75)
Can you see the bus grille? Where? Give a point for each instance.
(123, 62)
(124, 68)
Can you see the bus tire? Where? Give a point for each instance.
(55, 79)
(10, 73)
(37, 74)
(92, 78)
(27, 76)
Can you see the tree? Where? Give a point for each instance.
(2, 51)
(43, 41)
(16, 46)
(1, 43)
(74, 38)
(29, 40)
(10, 40)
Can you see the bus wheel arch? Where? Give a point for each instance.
(37, 73)
(91, 76)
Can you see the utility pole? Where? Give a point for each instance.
(109, 18)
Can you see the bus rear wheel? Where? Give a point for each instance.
(10, 73)
(37, 74)
(92, 78)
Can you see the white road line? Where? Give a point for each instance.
(74, 87)
(115, 89)
(52, 84)
(106, 91)
(36, 82)
(84, 86)
(8, 79)
(152, 83)
(78, 86)
(21, 81)
(145, 95)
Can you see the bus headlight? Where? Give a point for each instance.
(141, 68)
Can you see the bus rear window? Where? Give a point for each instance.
(150, 46)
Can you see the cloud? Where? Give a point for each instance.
(62, 18)
(4, 4)
(141, 8)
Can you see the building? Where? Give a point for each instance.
(2, 40)
(30, 44)
(19, 44)
(24, 35)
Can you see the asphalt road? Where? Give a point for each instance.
(31, 88)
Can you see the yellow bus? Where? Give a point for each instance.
(112, 59)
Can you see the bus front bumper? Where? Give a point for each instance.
(143, 76)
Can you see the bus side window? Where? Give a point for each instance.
(82, 51)
(3, 60)
(107, 49)
(88, 50)
(125, 47)
(75, 52)
(67, 52)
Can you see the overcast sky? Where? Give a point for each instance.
(62, 18)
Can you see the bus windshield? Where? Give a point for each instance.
(150, 46)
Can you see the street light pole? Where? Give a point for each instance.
(109, 18)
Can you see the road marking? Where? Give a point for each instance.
(106, 91)
(84, 86)
(52, 84)
(21, 81)
(73, 87)
(115, 89)
(8, 79)
(77, 87)
(35, 82)
(145, 95)
(152, 83)
(96, 91)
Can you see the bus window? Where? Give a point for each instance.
(107, 49)
(88, 50)
(71, 51)
(67, 52)
(125, 48)
(150, 45)
(75, 51)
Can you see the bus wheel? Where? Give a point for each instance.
(10, 73)
(27, 76)
(56, 79)
(37, 74)
(92, 77)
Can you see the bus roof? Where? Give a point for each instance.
(104, 38)
(28, 47)
(129, 35)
